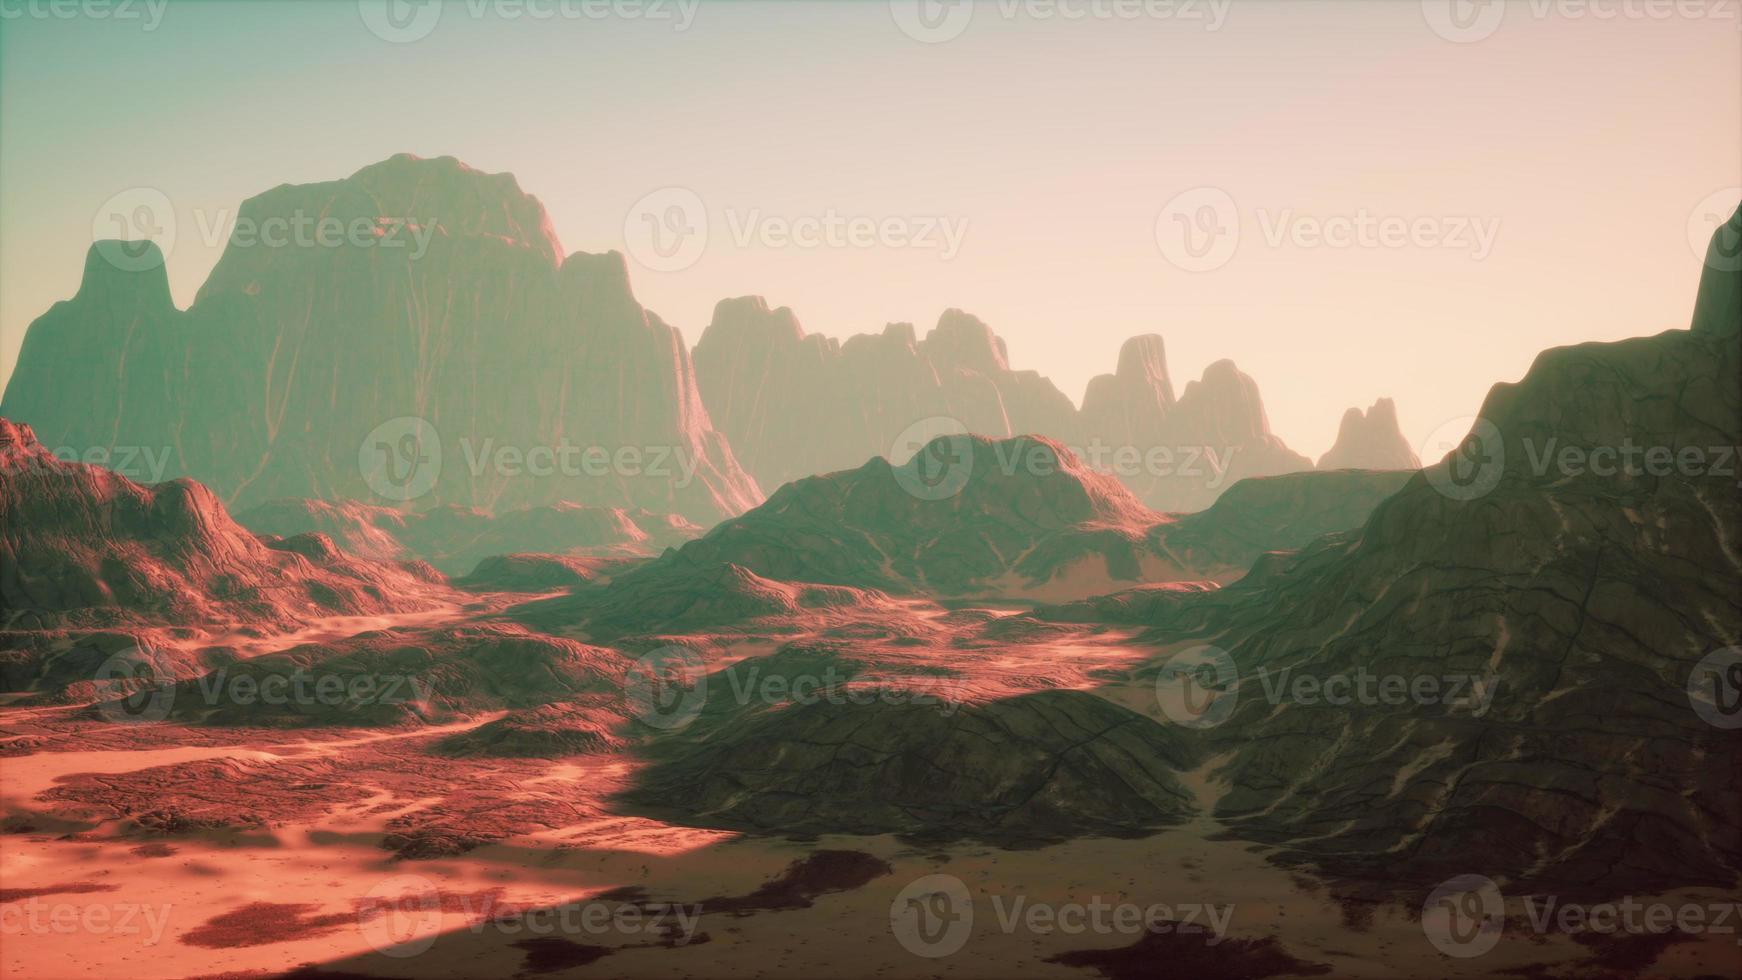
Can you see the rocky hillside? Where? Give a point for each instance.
(1018, 771)
(1581, 583)
(341, 313)
(83, 546)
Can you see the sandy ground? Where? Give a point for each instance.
(103, 898)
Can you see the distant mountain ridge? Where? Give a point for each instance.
(796, 404)
(450, 318)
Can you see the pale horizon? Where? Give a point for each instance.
(1504, 146)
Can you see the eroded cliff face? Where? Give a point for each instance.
(795, 404)
(412, 290)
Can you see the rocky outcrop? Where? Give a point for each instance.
(456, 539)
(412, 290)
(968, 514)
(1370, 440)
(1022, 770)
(1581, 585)
(795, 404)
(82, 546)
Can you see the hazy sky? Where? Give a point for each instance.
(1526, 176)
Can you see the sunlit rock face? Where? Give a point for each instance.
(83, 546)
(412, 290)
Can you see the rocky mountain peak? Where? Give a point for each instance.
(962, 340)
(1143, 361)
(1370, 440)
(749, 320)
(125, 274)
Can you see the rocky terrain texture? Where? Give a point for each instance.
(401, 676)
(1587, 596)
(1066, 764)
(453, 304)
(1370, 440)
(82, 546)
(968, 516)
(455, 539)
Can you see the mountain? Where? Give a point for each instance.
(1591, 590)
(1034, 768)
(411, 333)
(795, 404)
(966, 516)
(455, 539)
(82, 546)
(1370, 440)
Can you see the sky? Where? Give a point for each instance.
(1350, 200)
